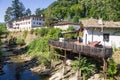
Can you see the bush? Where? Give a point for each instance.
(39, 46)
(71, 28)
(42, 32)
(112, 68)
(86, 67)
(20, 41)
(32, 31)
(25, 34)
(44, 58)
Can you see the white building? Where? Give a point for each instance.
(64, 25)
(27, 23)
(107, 32)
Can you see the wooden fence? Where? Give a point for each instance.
(103, 52)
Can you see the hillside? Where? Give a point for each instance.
(73, 9)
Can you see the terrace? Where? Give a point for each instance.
(74, 46)
(87, 50)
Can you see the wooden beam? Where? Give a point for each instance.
(52, 60)
(64, 62)
(79, 70)
(105, 68)
(61, 48)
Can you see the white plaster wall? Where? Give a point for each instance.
(65, 27)
(114, 38)
(27, 24)
(35, 21)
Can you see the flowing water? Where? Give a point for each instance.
(11, 72)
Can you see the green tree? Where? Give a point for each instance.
(49, 21)
(76, 19)
(16, 11)
(28, 12)
(106, 9)
(39, 11)
(8, 15)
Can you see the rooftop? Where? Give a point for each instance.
(65, 23)
(28, 17)
(97, 23)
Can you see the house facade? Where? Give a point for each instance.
(64, 25)
(107, 32)
(27, 23)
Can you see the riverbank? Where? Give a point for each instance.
(13, 67)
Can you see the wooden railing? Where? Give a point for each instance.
(103, 52)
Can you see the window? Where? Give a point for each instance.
(39, 23)
(33, 22)
(106, 37)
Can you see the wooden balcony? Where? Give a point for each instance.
(103, 52)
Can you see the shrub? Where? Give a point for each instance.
(32, 31)
(86, 67)
(44, 58)
(112, 68)
(39, 46)
(71, 28)
(25, 32)
(42, 32)
(20, 41)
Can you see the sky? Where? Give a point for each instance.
(32, 4)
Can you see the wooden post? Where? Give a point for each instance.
(64, 62)
(52, 60)
(105, 67)
(79, 71)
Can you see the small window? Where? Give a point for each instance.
(33, 22)
(106, 37)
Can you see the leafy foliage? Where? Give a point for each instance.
(3, 31)
(39, 46)
(112, 68)
(42, 32)
(25, 34)
(16, 11)
(20, 41)
(73, 9)
(16, 41)
(32, 31)
(70, 36)
(86, 67)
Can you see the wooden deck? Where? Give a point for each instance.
(103, 52)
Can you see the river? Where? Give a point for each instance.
(11, 70)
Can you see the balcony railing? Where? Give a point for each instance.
(103, 52)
